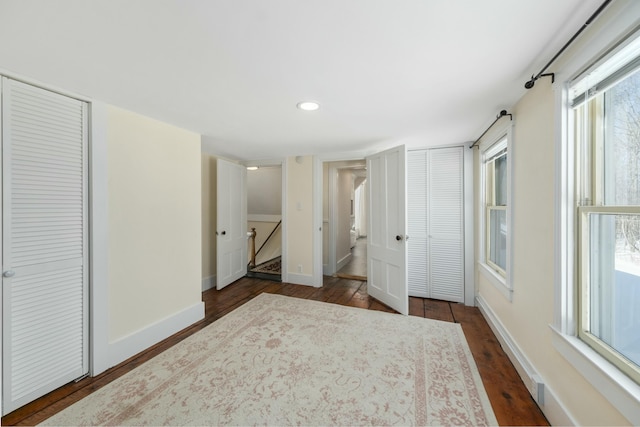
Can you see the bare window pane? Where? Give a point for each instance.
(498, 237)
(622, 143)
(614, 285)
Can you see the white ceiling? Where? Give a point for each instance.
(420, 72)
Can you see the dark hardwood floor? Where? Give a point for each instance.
(510, 399)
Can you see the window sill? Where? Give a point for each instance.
(622, 392)
(496, 280)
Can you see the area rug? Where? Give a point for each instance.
(270, 267)
(279, 360)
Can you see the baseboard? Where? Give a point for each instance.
(325, 270)
(208, 282)
(545, 397)
(343, 261)
(124, 348)
(300, 279)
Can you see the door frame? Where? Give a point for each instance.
(334, 168)
(318, 224)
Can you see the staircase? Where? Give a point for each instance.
(265, 263)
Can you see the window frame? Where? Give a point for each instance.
(500, 138)
(621, 392)
(589, 117)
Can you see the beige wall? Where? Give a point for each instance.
(343, 199)
(299, 222)
(209, 215)
(325, 214)
(264, 191)
(154, 221)
(528, 316)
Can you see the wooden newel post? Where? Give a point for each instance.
(253, 247)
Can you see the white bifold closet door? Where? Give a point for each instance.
(44, 242)
(435, 218)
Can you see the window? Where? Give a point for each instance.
(494, 208)
(606, 120)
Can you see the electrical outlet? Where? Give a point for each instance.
(299, 268)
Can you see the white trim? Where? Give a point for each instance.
(333, 218)
(470, 290)
(496, 280)
(622, 392)
(263, 218)
(556, 412)
(45, 86)
(129, 346)
(318, 268)
(548, 401)
(98, 240)
(301, 279)
(208, 283)
(343, 261)
(284, 254)
(516, 355)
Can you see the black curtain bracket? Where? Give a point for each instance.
(501, 114)
(530, 83)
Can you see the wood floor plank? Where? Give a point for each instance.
(509, 397)
(416, 306)
(438, 310)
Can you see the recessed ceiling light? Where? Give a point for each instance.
(308, 105)
(252, 168)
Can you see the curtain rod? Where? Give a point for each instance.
(500, 115)
(530, 83)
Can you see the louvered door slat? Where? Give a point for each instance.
(44, 238)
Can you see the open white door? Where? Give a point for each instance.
(386, 246)
(231, 228)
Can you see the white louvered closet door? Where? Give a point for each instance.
(445, 223)
(435, 223)
(44, 238)
(418, 256)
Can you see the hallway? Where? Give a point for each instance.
(357, 267)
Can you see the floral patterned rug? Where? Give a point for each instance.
(279, 360)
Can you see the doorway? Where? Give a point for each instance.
(264, 222)
(345, 219)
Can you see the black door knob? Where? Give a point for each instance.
(398, 238)
(224, 232)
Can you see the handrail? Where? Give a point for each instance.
(269, 236)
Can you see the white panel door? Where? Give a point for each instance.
(386, 247)
(445, 224)
(44, 238)
(231, 223)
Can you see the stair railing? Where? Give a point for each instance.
(252, 236)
